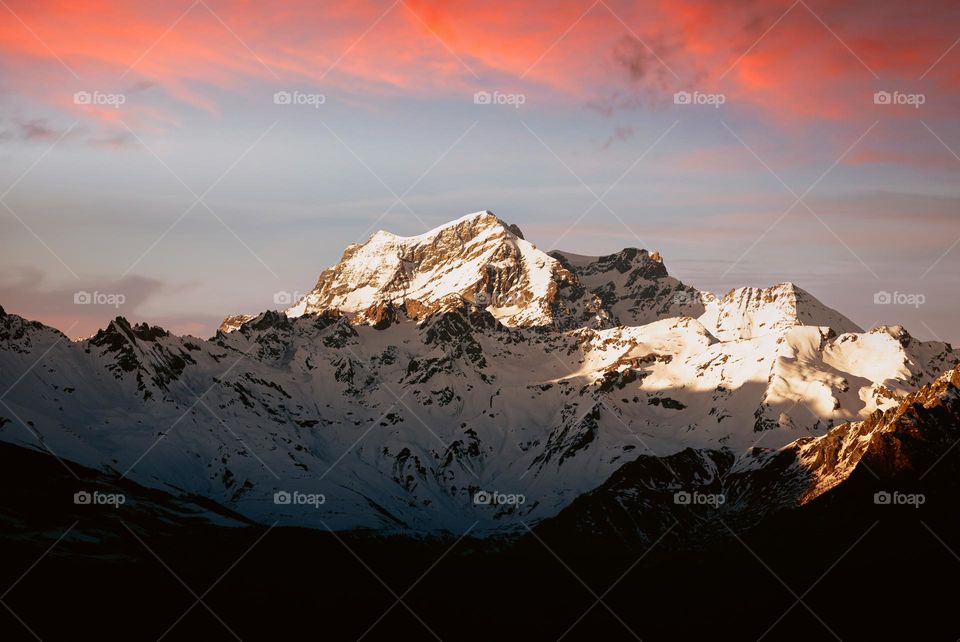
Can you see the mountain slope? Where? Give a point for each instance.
(397, 394)
(892, 451)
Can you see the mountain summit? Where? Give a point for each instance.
(477, 259)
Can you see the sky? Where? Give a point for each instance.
(181, 161)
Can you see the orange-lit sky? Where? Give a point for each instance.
(105, 197)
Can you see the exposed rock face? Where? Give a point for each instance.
(901, 442)
(234, 321)
(652, 496)
(634, 288)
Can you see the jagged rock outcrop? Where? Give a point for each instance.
(234, 321)
(697, 496)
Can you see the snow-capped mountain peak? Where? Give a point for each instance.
(744, 313)
(477, 258)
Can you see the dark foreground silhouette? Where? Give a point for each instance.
(862, 570)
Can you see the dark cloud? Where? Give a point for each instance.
(141, 86)
(33, 130)
(643, 65)
(620, 134)
(37, 130)
(40, 130)
(646, 78)
(634, 59)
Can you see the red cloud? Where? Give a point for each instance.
(814, 60)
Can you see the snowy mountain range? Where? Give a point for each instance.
(465, 377)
